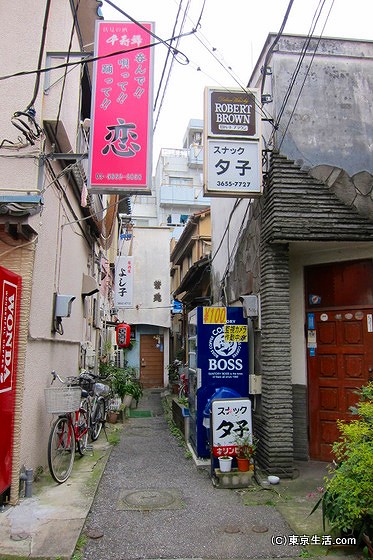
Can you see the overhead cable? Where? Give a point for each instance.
(277, 38)
(170, 68)
(306, 75)
(90, 58)
(175, 52)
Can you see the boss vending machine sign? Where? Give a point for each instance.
(221, 365)
(224, 337)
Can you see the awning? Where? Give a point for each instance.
(89, 286)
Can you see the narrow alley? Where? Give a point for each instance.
(152, 502)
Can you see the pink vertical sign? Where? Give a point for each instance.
(120, 155)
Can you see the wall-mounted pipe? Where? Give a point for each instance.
(27, 477)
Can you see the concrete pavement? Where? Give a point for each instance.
(145, 499)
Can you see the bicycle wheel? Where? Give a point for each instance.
(98, 417)
(61, 449)
(83, 427)
(181, 391)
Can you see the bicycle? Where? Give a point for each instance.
(183, 386)
(98, 397)
(71, 429)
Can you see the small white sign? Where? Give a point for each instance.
(231, 418)
(123, 289)
(233, 168)
(369, 322)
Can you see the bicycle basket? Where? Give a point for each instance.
(62, 399)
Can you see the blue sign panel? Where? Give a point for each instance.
(222, 347)
(222, 356)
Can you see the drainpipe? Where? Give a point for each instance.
(27, 477)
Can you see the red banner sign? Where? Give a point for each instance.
(120, 137)
(10, 293)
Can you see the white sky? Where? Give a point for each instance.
(236, 30)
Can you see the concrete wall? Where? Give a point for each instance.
(151, 251)
(332, 121)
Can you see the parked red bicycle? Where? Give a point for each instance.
(71, 429)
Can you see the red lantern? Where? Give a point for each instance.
(123, 332)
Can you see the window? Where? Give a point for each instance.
(181, 181)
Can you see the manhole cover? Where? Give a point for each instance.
(260, 529)
(149, 499)
(232, 529)
(93, 533)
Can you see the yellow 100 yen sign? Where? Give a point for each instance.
(235, 333)
(214, 315)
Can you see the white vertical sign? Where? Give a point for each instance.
(123, 290)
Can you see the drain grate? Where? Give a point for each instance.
(150, 499)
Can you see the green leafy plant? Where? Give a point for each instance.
(173, 371)
(124, 382)
(133, 388)
(246, 445)
(183, 401)
(347, 502)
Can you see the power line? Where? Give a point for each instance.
(175, 51)
(90, 58)
(306, 74)
(297, 68)
(171, 65)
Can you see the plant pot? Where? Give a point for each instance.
(243, 464)
(225, 464)
(127, 400)
(175, 388)
(112, 417)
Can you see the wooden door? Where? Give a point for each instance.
(341, 362)
(151, 361)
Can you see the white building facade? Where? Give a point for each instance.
(53, 235)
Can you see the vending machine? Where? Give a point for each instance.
(218, 362)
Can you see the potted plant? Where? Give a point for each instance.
(114, 409)
(225, 463)
(245, 450)
(124, 383)
(347, 502)
(133, 389)
(173, 375)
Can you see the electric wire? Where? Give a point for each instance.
(300, 60)
(75, 16)
(236, 203)
(89, 58)
(297, 68)
(276, 40)
(212, 51)
(230, 254)
(305, 76)
(171, 65)
(167, 57)
(175, 52)
(41, 53)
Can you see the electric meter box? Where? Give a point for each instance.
(62, 305)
